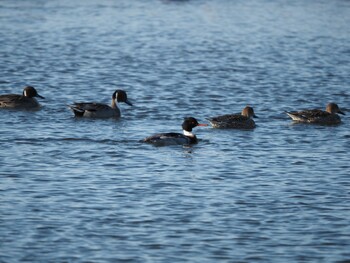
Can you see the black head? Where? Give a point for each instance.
(189, 123)
(121, 96)
(31, 92)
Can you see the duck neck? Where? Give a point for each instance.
(192, 138)
(114, 104)
(188, 134)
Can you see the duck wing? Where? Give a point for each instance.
(171, 138)
(10, 98)
(307, 115)
(229, 118)
(89, 106)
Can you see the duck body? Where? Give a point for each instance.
(316, 116)
(100, 110)
(94, 110)
(173, 138)
(235, 121)
(25, 101)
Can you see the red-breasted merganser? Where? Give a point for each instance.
(24, 101)
(99, 110)
(328, 117)
(172, 138)
(235, 121)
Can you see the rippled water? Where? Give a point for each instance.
(88, 191)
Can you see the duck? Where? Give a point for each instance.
(315, 116)
(235, 121)
(100, 110)
(25, 101)
(173, 138)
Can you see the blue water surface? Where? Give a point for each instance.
(75, 190)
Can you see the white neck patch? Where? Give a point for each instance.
(115, 103)
(187, 133)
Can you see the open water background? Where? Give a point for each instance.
(88, 191)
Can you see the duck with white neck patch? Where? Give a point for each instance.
(100, 110)
(173, 138)
(25, 101)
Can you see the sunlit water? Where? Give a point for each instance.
(77, 190)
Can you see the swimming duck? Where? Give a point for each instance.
(99, 110)
(172, 138)
(316, 116)
(235, 121)
(24, 101)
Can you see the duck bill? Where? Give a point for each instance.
(41, 97)
(255, 116)
(340, 112)
(202, 124)
(128, 102)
